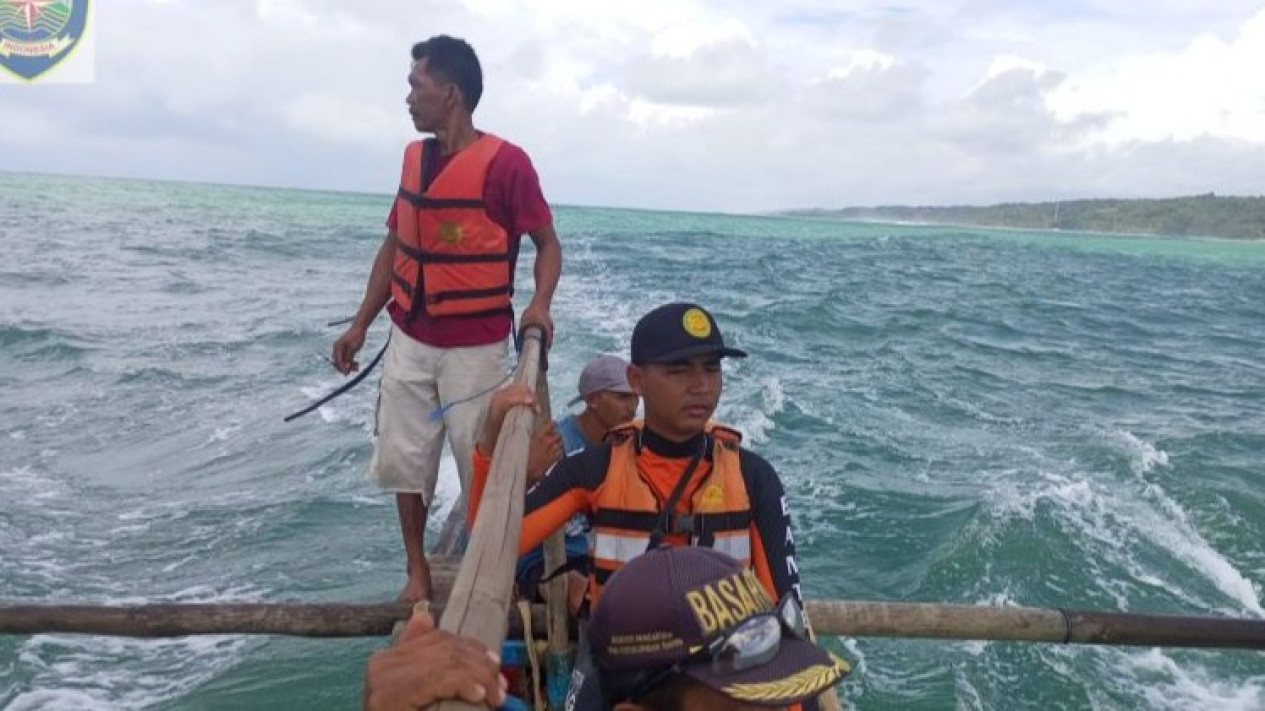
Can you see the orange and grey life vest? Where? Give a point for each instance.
(627, 511)
(451, 258)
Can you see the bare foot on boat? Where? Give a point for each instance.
(417, 588)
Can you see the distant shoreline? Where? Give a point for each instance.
(1195, 216)
(1209, 215)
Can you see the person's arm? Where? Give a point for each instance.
(773, 546)
(428, 665)
(547, 271)
(565, 490)
(544, 452)
(377, 294)
(772, 543)
(529, 214)
(498, 406)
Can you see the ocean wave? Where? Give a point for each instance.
(74, 673)
(1121, 527)
(30, 339)
(1164, 683)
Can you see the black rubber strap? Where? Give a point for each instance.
(1067, 625)
(345, 386)
(669, 508)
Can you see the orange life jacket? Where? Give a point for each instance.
(627, 510)
(448, 250)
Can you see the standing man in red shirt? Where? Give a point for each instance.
(447, 268)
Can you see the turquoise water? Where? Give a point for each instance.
(1045, 419)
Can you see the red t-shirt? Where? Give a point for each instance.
(513, 200)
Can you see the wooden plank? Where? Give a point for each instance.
(481, 594)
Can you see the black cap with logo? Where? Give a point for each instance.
(675, 332)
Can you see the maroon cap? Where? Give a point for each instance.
(665, 606)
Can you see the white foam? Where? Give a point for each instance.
(854, 655)
(101, 672)
(74, 672)
(1172, 530)
(774, 395)
(26, 482)
(1143, 455)
(180, 563)
(447, 490)
(756, 423)
(1108, 515)
(1166, 684)
(130, 529)
(969, 698)
(352, 408)
(974, 647)
(58, 700)
(1169, 526)
(754, 426)
(223, 434)
(1011, 499)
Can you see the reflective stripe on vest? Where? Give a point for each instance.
(735, 545)
(626, 509)
(448, 251)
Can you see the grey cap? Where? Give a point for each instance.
(606, 372)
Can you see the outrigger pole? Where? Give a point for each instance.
(830, 617)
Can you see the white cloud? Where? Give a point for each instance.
(690, 104)
(326, 116)
(727, 73)
(1212, 87)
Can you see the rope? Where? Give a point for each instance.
(533, 658)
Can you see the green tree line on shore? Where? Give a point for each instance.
(1205, 215)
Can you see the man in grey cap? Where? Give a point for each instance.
(609, 401)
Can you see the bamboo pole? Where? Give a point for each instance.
(558, 662)
(187, 619)
(1030, 624)
(555, 551)
(481, 593)
(831, 617)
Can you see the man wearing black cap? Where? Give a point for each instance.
(676, 478)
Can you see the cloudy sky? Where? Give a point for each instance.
(681, 104)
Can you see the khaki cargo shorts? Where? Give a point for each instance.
(417, 380)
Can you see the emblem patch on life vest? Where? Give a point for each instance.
(713, 498)
(37, 35)
(696, 323)
(449, 232)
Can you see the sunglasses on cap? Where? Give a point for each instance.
(754, 642)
